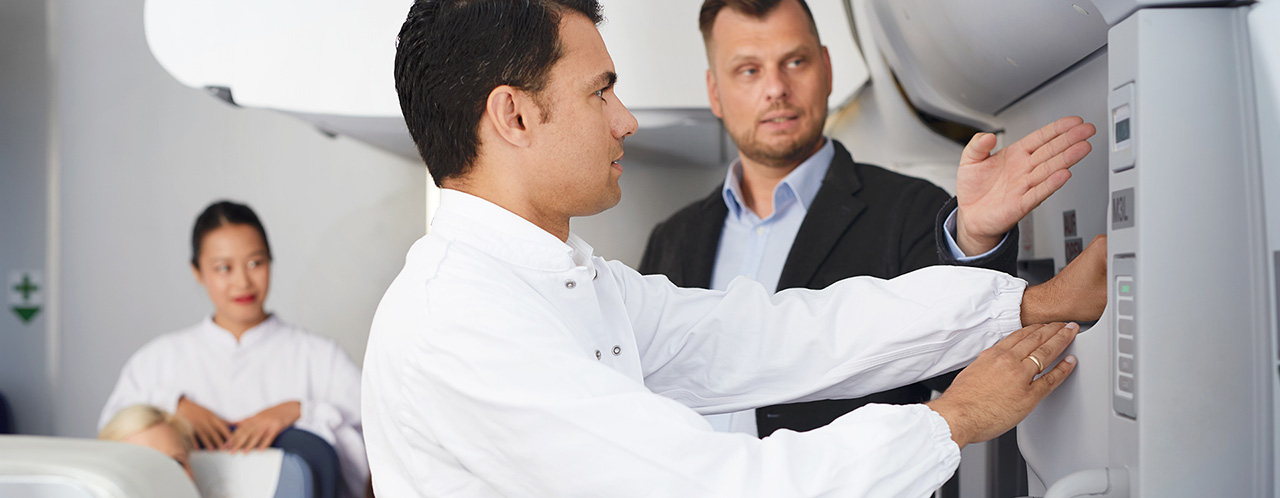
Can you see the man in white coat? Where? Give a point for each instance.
(507, 360)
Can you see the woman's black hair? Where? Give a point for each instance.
(224, 213)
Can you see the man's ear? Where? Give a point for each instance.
(713, 94)
(826, 61)
(195, 272)
(511, 112)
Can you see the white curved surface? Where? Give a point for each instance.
(881, 128)
(1096, 483)
(320, 57)
(966, 61)
(330, 63)
(98, 469)
(44, 487)
(335, 58)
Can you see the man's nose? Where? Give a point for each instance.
(776, 85)
(624, 123)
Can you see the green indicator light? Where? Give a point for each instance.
(1124, 288)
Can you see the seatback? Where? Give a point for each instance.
(298, 465)
(88, 468)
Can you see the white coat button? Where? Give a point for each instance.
(598, 355)
(617, 350)
(569, 284)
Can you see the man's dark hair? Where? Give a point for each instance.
(752, 8)
(452, 53)
(216, 216)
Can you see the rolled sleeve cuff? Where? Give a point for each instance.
(951, 234)
(948, 450)
(1007, 309)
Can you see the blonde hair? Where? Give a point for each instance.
(138, 418)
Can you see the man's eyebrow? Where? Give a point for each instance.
(740, 58)
(604, 80)
(798, 51)
(737, 59)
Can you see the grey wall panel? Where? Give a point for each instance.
(24, 136)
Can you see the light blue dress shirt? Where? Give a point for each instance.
(757, 248)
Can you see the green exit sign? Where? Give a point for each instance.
(26, 294)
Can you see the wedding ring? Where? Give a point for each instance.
(1039, 366)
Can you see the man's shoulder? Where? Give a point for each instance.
(442, 262)
(445, 278)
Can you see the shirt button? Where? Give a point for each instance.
(569, 284)
(617, 350)
(759, 230)
(598, 355)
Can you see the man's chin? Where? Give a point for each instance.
(605, 203)
(778, 154)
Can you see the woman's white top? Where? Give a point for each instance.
(272, 363)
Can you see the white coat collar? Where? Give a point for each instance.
(505, 235)
(223, 336)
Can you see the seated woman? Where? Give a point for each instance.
(146, 425)
(241, 376)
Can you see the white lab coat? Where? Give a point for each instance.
(504, 362)
(274, 362)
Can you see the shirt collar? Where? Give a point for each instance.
(505, 235)
(254, 334)
(802, 183)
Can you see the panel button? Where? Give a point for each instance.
(1126, 364)
(1126, 346)
(1126, 384)
(1125, 287)
(1126, 327)
(1125, 307)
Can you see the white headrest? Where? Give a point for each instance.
(242, 475)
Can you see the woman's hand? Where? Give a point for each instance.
(257, 432)
(210, 431)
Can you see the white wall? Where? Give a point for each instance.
(23, 217)
(141, 155)
(650, 193)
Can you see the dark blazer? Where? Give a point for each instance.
(865, 220)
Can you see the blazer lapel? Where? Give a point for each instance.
(704, 241)
(834, 208)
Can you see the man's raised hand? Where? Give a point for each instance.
(995, 191)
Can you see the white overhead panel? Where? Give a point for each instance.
(327, 62)
(312, 57)
(965, 61)
(330, 64)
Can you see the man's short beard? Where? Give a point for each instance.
(782, 156)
